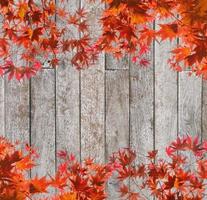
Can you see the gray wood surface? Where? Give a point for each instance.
(165, 98)
(141, 108)
(17, 111)
(67, 98)
(141, 111)
(43, 121)
(117, 117)
(190, 96)
(67, 104)
(92, 98)
(2, 108)
(114, 64)
(204, 110)
(117, 110)
(92, 113)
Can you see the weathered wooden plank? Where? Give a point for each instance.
(204, 109)
(92, 98)
(165, 97)
(117, 117)
(141, 109)
(17, 104)
(117, 110)
(92, 113)
(67, 98)
(68, 137)
(2, 108)
(17, 110)
(190, 94)
(113, 63)
(141, 112)
(43, 121)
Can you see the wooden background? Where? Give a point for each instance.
(96, 111)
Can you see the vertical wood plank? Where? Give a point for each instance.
(165, 98)
(17, 111)
(115, 64)
(2, 108)
(67, 88)
(204, 109)
(92, 97)
(67, 99)
(43, 121)
(92, 113)
(190, 90)
(141, 109)
(117, 117)
(141, 112)
(117, 110)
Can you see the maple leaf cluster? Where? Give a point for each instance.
(86, 180)
(128, 27)
(182, 175)
(73, 180)
(189, 24)
(126, 30)
(15, 166)
(33, 33)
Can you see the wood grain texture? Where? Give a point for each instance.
(114, 64)
(117, 110)
(2, 108)
(17, 111)
(190, 90)
(204, 109)
(17, 103)
(165, 99)
(67, 98)
(141, 112)
(141, 109)
(92, 113)
(67, 89)
(92, 97)
(43, 121)
(190, 94)
(117, 117)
